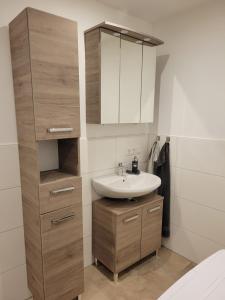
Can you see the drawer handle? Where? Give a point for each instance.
(151, 210)
(130, 219)
(68, 189)
(55, 130)
(64, 219)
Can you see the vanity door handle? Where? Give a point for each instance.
(68, 189)
(64, 219)
(151, 210)
(55, 130)
(130, 219)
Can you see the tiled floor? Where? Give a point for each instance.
(144, 281)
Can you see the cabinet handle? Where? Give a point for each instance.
(64, 219)
(154, 209)
(55, 130)
(130, 219)
(68, 189)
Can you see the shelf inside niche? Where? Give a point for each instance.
(52, 175)
(65, 163)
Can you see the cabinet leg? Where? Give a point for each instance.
(96, 261)
(157, 253)
(115, 277)
(79, 297)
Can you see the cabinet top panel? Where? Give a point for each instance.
(148, 39)
(119, 207)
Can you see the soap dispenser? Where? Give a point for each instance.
(135, 165)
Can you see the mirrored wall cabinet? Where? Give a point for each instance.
(120, 75)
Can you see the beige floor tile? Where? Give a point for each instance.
(146, 280)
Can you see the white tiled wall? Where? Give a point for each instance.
(197, 197)
(191, 108)
(12, 252)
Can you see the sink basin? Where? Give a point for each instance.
(129, 186)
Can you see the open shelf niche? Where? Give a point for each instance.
(58, 159)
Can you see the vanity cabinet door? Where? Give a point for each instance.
(148, 84)
(130, 80)
(128, 237)
(55, 80)
(110, 74)
(151, 228)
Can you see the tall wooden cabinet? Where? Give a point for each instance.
(45, 73)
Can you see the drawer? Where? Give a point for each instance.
(60, 193)
(151, 228)
(53, 121)
(62, 249)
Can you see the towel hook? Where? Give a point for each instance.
(167, 139)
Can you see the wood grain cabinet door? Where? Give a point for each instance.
(128, 238)
(151, 228)
(62, 248)
(55, 79)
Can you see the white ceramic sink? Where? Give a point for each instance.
(129, 186)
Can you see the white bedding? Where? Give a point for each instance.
(206, 281)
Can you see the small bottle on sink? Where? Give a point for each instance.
(135, 166)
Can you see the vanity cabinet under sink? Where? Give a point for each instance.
(120, 76)
(126, 231)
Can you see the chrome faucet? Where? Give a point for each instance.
(121, 171)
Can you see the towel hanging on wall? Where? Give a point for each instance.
(162, 169)
(153, 157)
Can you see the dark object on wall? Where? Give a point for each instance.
(162, 169)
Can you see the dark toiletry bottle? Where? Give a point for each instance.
(135, 165)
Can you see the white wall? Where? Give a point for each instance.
(191, 94)
(101, 147)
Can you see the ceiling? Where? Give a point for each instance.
(152, 10)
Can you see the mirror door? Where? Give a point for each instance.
(148, 84)
(130, 80)
(110, 74)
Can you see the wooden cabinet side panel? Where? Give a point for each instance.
(31, 219)
(21, 69)
(104, 236)
(68, 155)
(29, 169)
(93, 76)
